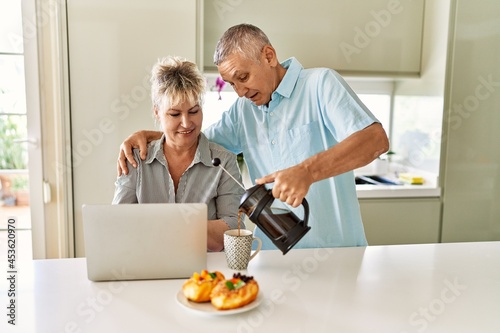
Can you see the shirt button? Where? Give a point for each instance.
(273, 142)
(271, 114)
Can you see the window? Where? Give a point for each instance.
(13, 155)
(416, 137)
(377, 99)
(213, 107)
(14, 177)
(413, 123)
(13, 119)
(380, 106)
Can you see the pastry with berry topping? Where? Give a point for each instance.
(234, 293)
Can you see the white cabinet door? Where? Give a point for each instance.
(351, 36)
(113, 45)
(401, 221)
(471, 179)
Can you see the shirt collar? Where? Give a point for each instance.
(155, 151)
(203, 153)
(287, 84)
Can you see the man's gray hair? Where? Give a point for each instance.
(245, 39)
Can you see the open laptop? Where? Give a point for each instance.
(144, 241)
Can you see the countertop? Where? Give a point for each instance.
(397, 191)
(400, 288)
(429, 189)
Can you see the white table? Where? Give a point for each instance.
(408, 288)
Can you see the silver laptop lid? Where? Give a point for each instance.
(144, 241)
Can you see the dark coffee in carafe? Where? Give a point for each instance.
(279, 222)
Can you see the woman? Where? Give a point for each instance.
(178, 167)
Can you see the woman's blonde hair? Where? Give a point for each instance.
(175, 80)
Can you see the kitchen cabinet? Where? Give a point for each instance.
(378, 37)
(471, 158)
(401, 221)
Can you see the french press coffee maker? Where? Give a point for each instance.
(282, 226)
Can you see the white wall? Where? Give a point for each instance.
(113, 45)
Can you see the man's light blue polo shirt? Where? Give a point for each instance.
(310, 111)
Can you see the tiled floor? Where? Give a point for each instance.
(22, 235)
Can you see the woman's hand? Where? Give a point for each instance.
(215, 235)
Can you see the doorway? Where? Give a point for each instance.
(20, 149)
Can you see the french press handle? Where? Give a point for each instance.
(306, 211)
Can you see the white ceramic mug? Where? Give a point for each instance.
(238, 248)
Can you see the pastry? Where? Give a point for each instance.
(199, 287)
(234, 293)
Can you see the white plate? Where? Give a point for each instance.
(208, 308)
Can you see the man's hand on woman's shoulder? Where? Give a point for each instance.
(139, 140)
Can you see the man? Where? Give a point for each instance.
(304, 130)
